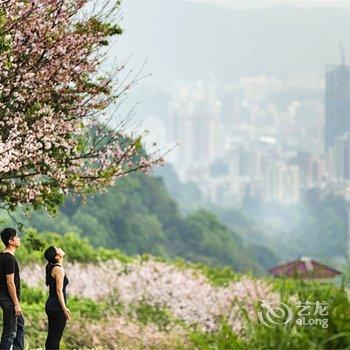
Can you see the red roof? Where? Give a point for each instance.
(304, 268)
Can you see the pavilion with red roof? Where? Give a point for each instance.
(304, 268)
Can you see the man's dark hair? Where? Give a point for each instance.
(7, 234)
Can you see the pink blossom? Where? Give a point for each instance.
(185, 292)
(52, 94)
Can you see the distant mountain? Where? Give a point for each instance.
(315, 227)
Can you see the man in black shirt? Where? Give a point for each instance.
(10, 293)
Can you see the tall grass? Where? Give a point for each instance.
(283, 334)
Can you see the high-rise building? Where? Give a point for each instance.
(337, 102)
(309, 118)
(196, 126)
(283, 183)
(205, 130)
(341, 157)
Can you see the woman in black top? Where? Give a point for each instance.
(55, 307)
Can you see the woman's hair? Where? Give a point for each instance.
(50, 256)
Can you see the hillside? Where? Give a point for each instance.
(315, 227)
(138, 216)
(128, 302)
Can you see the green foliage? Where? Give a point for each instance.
(5, 44)
(256, 335)
(260, 224)
(138, 216)
(218, 276)
(146, 313)
(33, 305)
(210, 242)
(105, 29)
(32, 296)
(241, 226)
(223, 339)
(316, 227)
(338, 306)
(76, 248)
(52, 199)
(33, 241)
(288, 335)
(87, 309)
(187, 195)
(31, 249)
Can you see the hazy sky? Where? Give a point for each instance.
(190, 39)
(197, 40)
(237, 4)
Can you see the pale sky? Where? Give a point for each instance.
(248, 4)
(251, 4)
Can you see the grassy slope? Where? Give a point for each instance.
(105, 324)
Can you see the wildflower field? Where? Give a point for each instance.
(121, 302)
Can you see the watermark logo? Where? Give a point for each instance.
(308, 314)
(271, 316)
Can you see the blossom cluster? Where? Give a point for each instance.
(119, 332)
(53, 97)
(185, 292)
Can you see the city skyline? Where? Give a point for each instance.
(268, 108)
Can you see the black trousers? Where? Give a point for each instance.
(57, 322)
(13, 326)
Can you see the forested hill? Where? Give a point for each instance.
(139, 216)
(315, 227)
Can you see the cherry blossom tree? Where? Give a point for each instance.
(55, 121)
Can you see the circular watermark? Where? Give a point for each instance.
(270, 317)
(309, 314)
